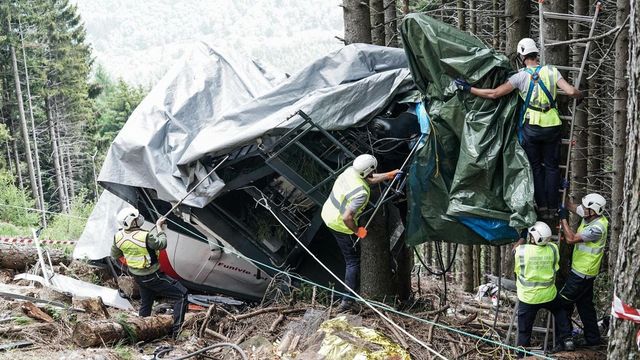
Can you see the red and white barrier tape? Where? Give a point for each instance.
(623, 311)
(19, 241)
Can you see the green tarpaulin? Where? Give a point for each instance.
(471, 182)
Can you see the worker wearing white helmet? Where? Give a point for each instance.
(341, 211)
(540, 126)
(589, 240)
(140, 249)
(536, 263)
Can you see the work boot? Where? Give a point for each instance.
(346, 306)
(569, 345)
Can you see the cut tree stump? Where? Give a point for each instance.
(98, 332)
(19, 258)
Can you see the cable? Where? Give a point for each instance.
(203, 350)
(381, 306)
(46, 211)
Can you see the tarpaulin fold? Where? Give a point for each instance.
(471, 183)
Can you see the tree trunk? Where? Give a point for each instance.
(96, 333)
(23, 123)
(56, 156)
(496, 25)
(467, 268)
(375, 259)
(357, 24)
(619, 128)
(21, 257)
(507, 262)
(517, 23)
(16, 156)
(627, 282)
(580, 131)
(391, 23)
(495, 260)
(377, 22)
(43, 216)
(594, 165)
(556, 30)
(473, 25)
(462, 25)
(70, 183)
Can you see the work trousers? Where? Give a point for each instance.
(579, 291)
(351, 256)
(159, 284)
(527, 315)
(543, 153)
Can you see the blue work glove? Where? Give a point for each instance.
(564, 184)
(563, 213)
(462, 84)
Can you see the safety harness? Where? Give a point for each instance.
(535, 79)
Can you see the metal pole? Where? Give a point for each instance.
(386, 192)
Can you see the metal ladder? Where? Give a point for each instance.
(587, 45)
(549, 329)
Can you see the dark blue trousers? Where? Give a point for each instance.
(351, 256)
(159, 284)
(527, 315)
(544, 156)
(579, 291)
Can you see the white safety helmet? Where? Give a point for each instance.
(595, 202)
(527, 46)
(540, 233)
(365, 164)
(129, 217)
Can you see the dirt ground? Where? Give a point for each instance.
(272, 330)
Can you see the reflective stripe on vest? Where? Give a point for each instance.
(536, 273)
(541, 110)
(347, 186)
(134, 248)
(587, 256)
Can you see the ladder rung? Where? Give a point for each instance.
(561, 92)
(566, 117)
(562, 166)
(568, 68)
(566, 141)
(563, 16)
(541, 329)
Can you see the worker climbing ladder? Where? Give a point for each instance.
(544, 44)
(569, 141)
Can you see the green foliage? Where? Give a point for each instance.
(13, 204)
(22, 320)
(70, 226)
(123, 352)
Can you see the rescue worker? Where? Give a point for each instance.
(539, 122)
(536, 263)
(140, 248)
(589, 241)
(341, 211)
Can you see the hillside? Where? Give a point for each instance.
(140, 40)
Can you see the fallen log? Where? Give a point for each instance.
(19, 258)
(98, 332)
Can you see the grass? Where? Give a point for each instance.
(123, 352)
(22, 320)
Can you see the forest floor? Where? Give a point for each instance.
(285, 327)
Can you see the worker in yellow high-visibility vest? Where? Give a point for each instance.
(341, 211)
(540, 127)
(140, 249)
(589, 240)
(536, 263)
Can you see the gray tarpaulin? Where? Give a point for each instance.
(212, 102)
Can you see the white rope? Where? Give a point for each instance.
(263, 202)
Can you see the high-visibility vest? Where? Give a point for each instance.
(535, 268)
(587, 256)
(348, 185)
(541, 110)
(133, 245)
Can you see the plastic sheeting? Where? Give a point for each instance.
(472, 170)
(212, 102)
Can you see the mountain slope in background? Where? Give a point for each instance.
(139, 40)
